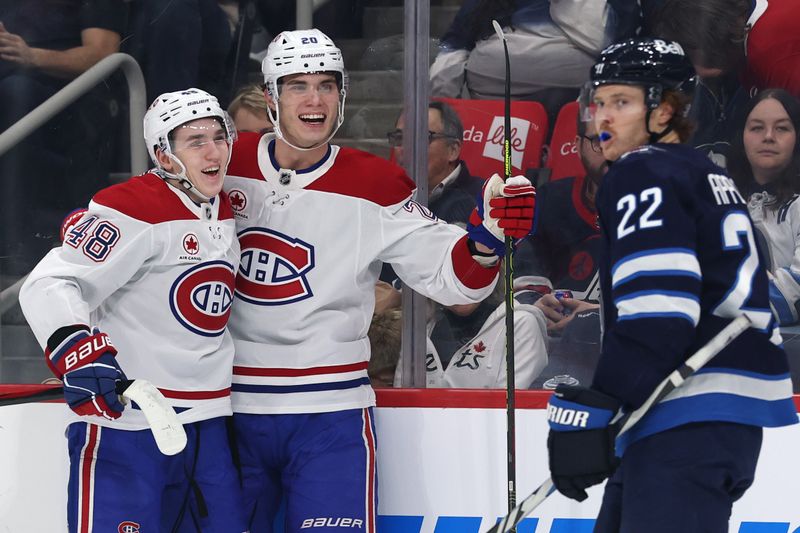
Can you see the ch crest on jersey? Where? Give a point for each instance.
(200, 299)
(274, 268)
(128, 527)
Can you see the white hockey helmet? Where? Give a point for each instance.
(171, 110)
(303, 52)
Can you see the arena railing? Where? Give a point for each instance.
(77, 88)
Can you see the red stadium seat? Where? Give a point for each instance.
(483, 134)
(564, 160)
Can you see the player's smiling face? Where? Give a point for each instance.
(309, 106)
(619, 118)
(769, 139)
(202, 146)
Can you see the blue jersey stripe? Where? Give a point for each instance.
(711, 407)
(780, 304)
(310, 387)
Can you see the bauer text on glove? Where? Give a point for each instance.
(86, 364)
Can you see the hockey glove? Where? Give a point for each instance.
(90, 373)
(581, 440)
(504, 208)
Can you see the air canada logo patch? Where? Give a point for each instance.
(200, 299)
(190, 244)
(128, 527)
(274, 268)
(238, 200)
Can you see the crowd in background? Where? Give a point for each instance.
(745, 111)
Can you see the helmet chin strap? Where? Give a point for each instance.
(276, 121)
(185, 184)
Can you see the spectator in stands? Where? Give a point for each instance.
(248, 109)
(563, 255)
(452, 191)
(182, 43)
(737, 48)
(451, 188)
(477, 358)
(757, 40)
(384, 341)
(765, 164)
(455, 330)
(552, 45)
(43, 45)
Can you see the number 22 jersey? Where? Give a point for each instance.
(678, 262)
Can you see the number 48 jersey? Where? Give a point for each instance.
(679, 262)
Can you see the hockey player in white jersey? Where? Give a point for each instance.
(315, 224)
(142, 287)
(679, 263)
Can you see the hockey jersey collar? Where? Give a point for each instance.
(203, 211)
(291, 178)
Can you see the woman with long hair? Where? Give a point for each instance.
(765, 164)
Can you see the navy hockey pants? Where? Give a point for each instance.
(321, 464)
(120, 481)
(683, 479)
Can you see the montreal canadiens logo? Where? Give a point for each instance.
(128, 527)
(201, 298)
(238, 199)
(274, 268)
(190, 244)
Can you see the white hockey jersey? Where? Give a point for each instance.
(312, 243)
(781, 229)
(481, 363)
(155, 272)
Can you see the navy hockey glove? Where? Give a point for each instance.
(87, 366)
(581, 439)
(504, 209)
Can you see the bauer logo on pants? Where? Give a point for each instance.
(201, 298)
(274, 268)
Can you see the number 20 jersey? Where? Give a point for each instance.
(313, 242)
(679, 261)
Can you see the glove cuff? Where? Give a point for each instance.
(77, 350)
(580, 409)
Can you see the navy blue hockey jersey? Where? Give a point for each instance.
(679, 261)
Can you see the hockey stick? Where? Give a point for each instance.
(696, 361)
(167, 430)
(508, 278)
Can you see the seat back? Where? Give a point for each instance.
(482, 148)
(564, 160)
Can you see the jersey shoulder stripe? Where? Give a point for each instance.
(243, 162)
(362, 175)
(144, 198)
(225, 208)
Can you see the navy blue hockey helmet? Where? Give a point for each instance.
(655, 64)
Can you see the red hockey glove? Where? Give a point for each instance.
(510, 207)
